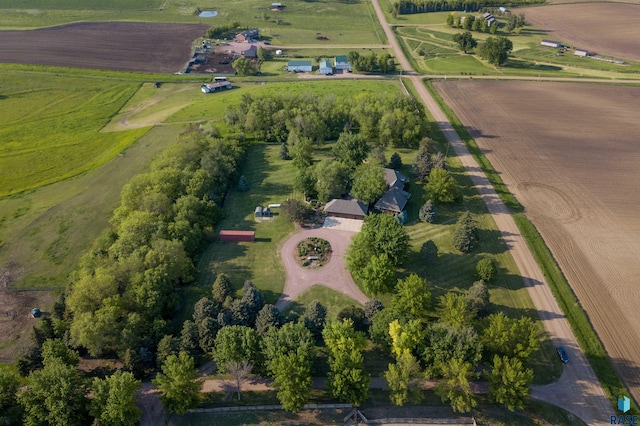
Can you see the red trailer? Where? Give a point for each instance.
(230, 236)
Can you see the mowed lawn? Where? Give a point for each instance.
(454, 271)
(50, 127)
(270, 182)
(301, 22)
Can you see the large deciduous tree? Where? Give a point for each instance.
(441, 187)
(178, 384)
(347, 379)
(509, 382)
(454, 310)
(332, 178)
(404, 379)
(515, 338)
(368, 182)
(379, 330)
(412, 297)
(444, 342)
(236, 343)
(378, 275)
(351, 149)
(10, 410)
(244, 66)
(55, 395)
(356, 315)
(465, 40)
(381, 234)
(455, 385)
(495, 50)
(56, 349)
(290, 352)
(114, 400)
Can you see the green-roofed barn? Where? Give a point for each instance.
(299, 66)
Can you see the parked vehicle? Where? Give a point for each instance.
(562, 354)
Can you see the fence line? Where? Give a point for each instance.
(264, 408)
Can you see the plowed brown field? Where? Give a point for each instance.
(120, 46)
(609, 29)
(570, 154)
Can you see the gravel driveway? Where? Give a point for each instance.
(333, 275)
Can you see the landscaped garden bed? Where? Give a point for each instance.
(313, 252)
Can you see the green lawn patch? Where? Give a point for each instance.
(331, 299)
(270, 181)
(51, 128)
(49, 228)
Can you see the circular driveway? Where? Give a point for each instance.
(333, 275)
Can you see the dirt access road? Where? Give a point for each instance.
(578, 390)
(333, 275)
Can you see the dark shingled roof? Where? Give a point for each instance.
(393, 200)
(394, 178)
(351, 206)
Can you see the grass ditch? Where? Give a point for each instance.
(503, 192)
(585, 334)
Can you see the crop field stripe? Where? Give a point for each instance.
(580, 324)
(503, 192)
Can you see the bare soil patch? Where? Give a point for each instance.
(119, 46)
(218, 61)
(16, 320)
(569, 153)
(609, 29)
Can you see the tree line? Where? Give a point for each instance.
(124, 294)
(393, 120)
(372, 63)
(405, 7)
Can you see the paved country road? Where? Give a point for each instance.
(578, 390)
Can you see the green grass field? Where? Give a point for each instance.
(46, 230)
(300, 23)
(428, 42)
(212, 106)
(331, 299)
(50, 128)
